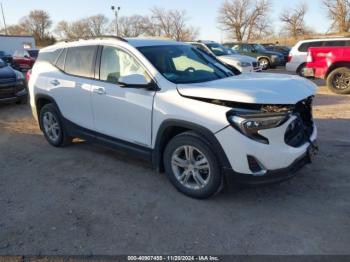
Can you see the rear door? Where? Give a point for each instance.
(70, 84)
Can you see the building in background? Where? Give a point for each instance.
(11, 43)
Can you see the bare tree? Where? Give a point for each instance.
(83, 28)
(130, 26)
(339, 13)
(242, 17)
(15, 30)
(294, 20)
(171, 24)
(97, 24)
(38, 23)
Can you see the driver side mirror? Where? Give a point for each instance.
(135, 81)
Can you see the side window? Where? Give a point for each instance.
(335, 43)
(235, 47)
(80, 61)
(61, 60)
(305, 46)
(116, 63)
(49, 57)
(246, 48)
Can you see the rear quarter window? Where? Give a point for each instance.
(80, 61)
(305, 46)
(49, 57)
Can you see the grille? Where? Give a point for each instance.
(7, 80)
(7, 92)
(300, 130)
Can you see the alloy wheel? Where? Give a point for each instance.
(341, 81)
(191, 167)
(51, 126)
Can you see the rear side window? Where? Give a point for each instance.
(305, 46)
(80, 61)
(61, 60)
(49, 57)
(336, 43)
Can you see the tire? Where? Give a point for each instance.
(52, 126)
(22, 101)
(201, 180)
(300, 70)
(338, 81)
(265, 63)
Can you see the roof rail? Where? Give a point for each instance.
(95, 37)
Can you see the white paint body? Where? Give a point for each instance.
(135, 115)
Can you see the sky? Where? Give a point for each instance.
(202, 13)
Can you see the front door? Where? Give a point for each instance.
(121, 113)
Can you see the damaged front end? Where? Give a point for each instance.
(250, 119)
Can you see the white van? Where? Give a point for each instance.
(298, 54)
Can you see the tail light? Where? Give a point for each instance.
(309, 57)
(28, 74)
(290, 58)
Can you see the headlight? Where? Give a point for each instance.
(249, 124)
(244, 64)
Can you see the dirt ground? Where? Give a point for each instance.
(87, 200)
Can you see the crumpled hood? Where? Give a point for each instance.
(255, 88)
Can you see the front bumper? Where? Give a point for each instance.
(271, 176)
(10, 94)
(276, 159)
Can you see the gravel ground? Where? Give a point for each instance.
(87, 200)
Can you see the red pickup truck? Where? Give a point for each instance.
(331, 64)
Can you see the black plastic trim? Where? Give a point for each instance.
(111, 142)
(272, 176)
(160, 143)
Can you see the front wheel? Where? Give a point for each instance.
(192, 166)
(338, 81)
(265, 63)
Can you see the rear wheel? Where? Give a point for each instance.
(338, 81)
(265, 63)
(52, 126)
(192, 166)
(300, 70)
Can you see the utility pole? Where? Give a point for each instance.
(116, 13)
(3, 17)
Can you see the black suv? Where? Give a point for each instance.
(267, 59)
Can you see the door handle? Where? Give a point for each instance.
(99, 90)
(55, 82)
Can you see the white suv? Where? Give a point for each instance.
(298, 55)
(177, 107)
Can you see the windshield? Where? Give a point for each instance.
(259, 48)
(33, 53)
(182, 64)
(218, 49)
